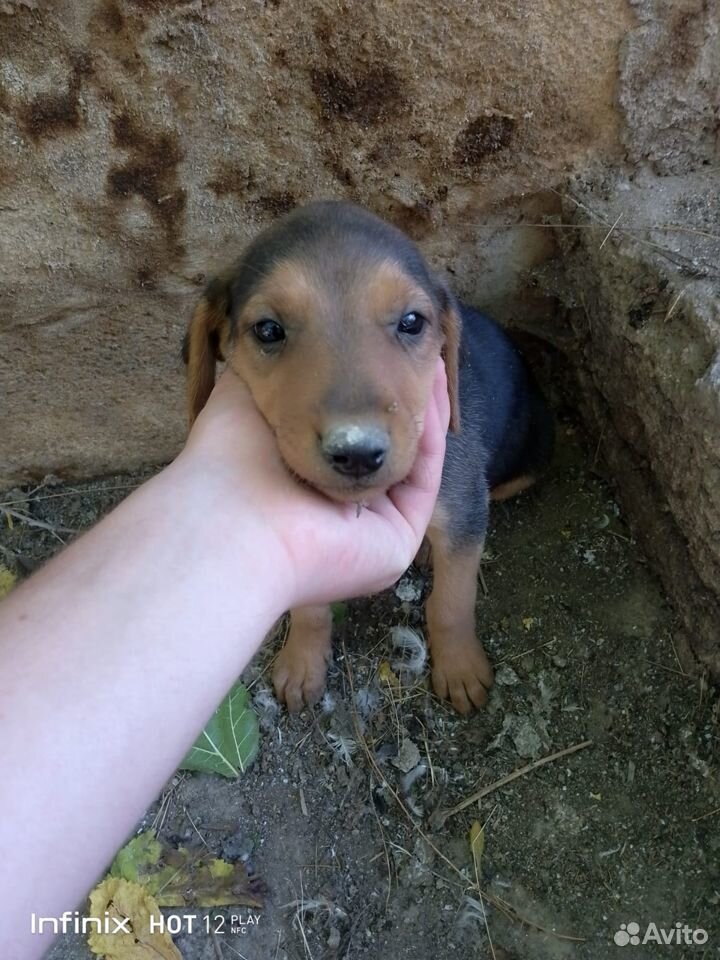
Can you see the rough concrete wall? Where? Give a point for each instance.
(670, 84)
(142, 141)
(642, 328)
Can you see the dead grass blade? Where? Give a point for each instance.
(503, 781)
(507, 909)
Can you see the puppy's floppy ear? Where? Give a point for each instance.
(201, 347)
(451, 326)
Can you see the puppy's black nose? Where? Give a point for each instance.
(355, 450)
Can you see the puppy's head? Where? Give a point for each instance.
(334, 322)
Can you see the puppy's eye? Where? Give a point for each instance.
(411, 324)
(268, 332)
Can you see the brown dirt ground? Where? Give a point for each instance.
(582, 638)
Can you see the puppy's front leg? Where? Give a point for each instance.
(460, 667)
(301, 666)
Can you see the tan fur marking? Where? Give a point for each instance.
(385, 292)
(503, 491)
(289, 290)
(300, 669)
(450, 324)
(205, 323)
(340, 360)
(461, 670)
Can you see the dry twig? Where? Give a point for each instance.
(503, 781)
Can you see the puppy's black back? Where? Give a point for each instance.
(506, 428)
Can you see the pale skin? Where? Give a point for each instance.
(113, 656)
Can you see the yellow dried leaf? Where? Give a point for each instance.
(130, 923)
(386, 675)
(477, 845)
(185, 878)
(7, 581)
(220, 868)
(528, 622)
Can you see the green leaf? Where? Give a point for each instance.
(182, 877)
(339, 611)
(229, 742)
(137, 857)
(7, 580)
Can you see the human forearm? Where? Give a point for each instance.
(113, 657)
(97, 659)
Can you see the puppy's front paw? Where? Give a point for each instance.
(461, 671)
(299, 675)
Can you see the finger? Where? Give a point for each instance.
(229, 402)
(415, 498)
(230, 390)
(431, 447)
(441, 397)
(231, 421)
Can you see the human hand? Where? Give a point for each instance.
(318, 550)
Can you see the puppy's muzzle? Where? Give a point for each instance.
(355, 450)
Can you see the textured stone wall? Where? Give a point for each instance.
(142, 142)
(639, 319)
(669, 87)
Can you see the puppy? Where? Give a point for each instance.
(335, 323)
